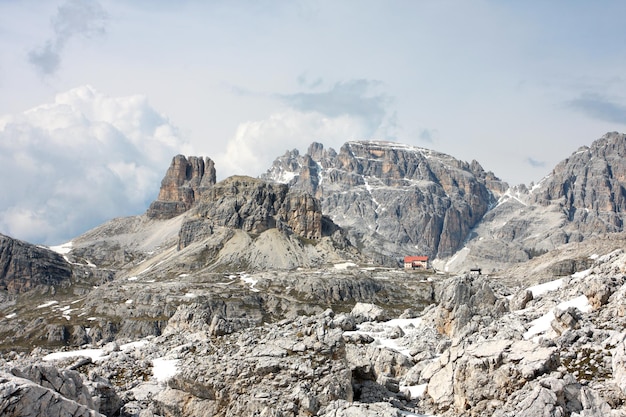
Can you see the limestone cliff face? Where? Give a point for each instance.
(584, 196)
(590, 185)
(24, 266)
(394, 199)
(254, 206)
(184, 183)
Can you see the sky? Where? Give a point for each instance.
(97, 96)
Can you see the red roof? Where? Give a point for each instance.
(410, 259)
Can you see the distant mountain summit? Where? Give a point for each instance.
(393, 199)
(584, 196)
(184, 182)
(590, 186)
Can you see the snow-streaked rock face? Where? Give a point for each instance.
(397, 199)
(590, 185)
(25, 267)
(394, 199)
(582, 198)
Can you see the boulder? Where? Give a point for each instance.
(368, 312)
(22, 397)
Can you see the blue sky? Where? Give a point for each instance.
(518, 86)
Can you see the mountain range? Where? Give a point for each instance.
(313, 236)
(395, 200)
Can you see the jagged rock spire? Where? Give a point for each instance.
(183, 184)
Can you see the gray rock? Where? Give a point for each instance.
(566, 319)
(24, 267)
(393, 198)
(22, 397)
(69, 384)
(520, 299)
(368, 312)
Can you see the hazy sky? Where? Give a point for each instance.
(97, 96)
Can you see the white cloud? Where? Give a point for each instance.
(354, 109)
(257, 143)
(84, 159)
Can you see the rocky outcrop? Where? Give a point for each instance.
(590, 186)
(259, 365)
(69, 384)
(464, 302)
(467, 355)
(391, 197)
(62, 395)
(184, 183)
(582, 198)
(255, 206)
(24, 267)
(217, 317)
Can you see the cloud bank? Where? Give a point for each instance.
(74, 18)
(350, 110)
(79, 161)
(257, 143)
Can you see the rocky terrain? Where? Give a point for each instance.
(582, 198)
(481, 349)
(283, 296)
(251, 250)
(393, 199)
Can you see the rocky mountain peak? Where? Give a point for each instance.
(394, 199)
(583, 197)
(590, 185)
(183, 184)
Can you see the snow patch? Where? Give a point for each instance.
(164, 369)
(415, 391)
(62, 249)
(542, 324)
(581, 274)
(10, 316)
(379, 332)
(94, 354)
(251, 281)
(541, 289)
(344, 265)
(47, 304)
(581, 303)
(511, 195)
